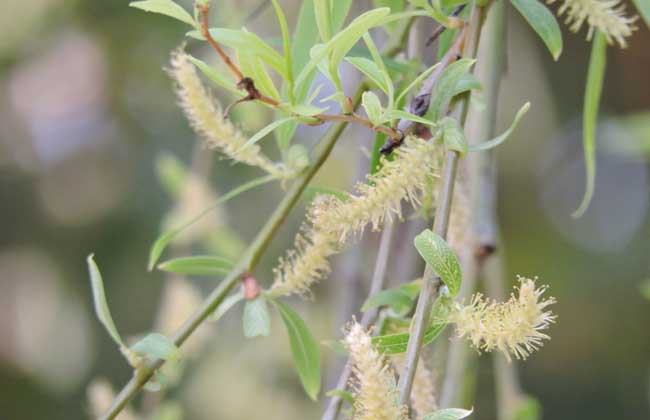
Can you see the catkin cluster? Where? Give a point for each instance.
(331, 220)
(206, 117)
(376, 396)
(607, 16)
(514, 327)
(423, 392)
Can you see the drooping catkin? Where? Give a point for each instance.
(331, 219)
(607, 16)
(206, 117)
(513, 327)
(374, 385)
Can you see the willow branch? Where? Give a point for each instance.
(483, 231)
(432, 282)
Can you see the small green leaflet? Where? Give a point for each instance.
(305, 351)
(486, 145)
(445, 87)
(286, 41)
(163, 240)
(448, 414)
(342, 394)
(165, 7)
(263, 132)
(543, 22)
(416, 82)
(200, 265)
(99, 299)
(397, 343)
(372, 106)
(257, 319)
(453, 135)
(215, 77)
(370, 69)
(595, 77)
(441, 258)
(403, 115)
(397, 299)
(323, 18)
(227, 304)
(157, 346)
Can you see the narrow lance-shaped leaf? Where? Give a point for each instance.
(543, 22)
(445, 87)
(305, 351)
(397, 299)
(448, 414)
(486, 145)
(453, 135)
(256, 320)
(595, 77)
(286, 41)
(163, 240)
(264, 132)
(372, 106)
(441, 258)
(200, 265)
(99, 300)
(370, 70)
(323, 19)
(165, 7)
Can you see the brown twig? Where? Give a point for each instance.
(441, 28)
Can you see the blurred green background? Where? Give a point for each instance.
(86, 112)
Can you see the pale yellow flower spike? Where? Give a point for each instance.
(331, 219)
(206, 118)
(513, 327)
(607, 16)
(376, 393)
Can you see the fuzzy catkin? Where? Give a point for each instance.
(206, 118)
(331, 220)
(376, 393)
(607, 16)
(513, 327)
(423, 392)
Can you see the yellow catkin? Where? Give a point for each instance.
(607, 16)
(331, 219)
(514, 327)
(206, 117)
(374, 384)
(423, 393)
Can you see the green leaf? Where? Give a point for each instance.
(372, 106)
(337, 47)
(397, 343)
(543, 22)
(403, 115)
(306, 110)
(486, 145)
(375, 157)
(163, 240)
(379, 62)
(397, 299)
(342, 394)
(227, 304)
(257, 319)
(253, 67)
(595, 77)
(198, 266)
(216, 77)
(445, 87)
(416, 82)
(323, 19)
(370, 70)
(453, 135)
(99, 300)
(305, 351)
(264, 132)
(165, 7)
(643, 6)
(466, 83)
(242, 40)
(448, 414)
(157, 346)
(286, 41)
(340, 10)
(441, 258)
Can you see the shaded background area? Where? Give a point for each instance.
(88, 118)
